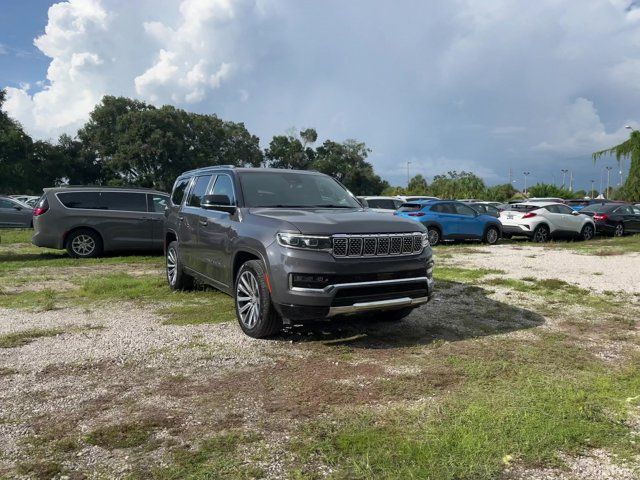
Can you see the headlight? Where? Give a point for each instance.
(425, 240)
(304, 242)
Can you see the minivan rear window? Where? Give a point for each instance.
(124, 201)
(89, 200)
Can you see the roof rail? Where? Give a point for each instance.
(122, 187)
(207, 168)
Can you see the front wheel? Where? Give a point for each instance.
(587, 232)
(256, 314)
(433, 234)
(541, 234)
(491, 236)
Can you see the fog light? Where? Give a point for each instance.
(430, 265)
(304, 280)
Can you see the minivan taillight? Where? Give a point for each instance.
(42, 207)
(529, 215)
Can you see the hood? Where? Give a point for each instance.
(330, 221)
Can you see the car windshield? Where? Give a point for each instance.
(600, 207)
(294, 190)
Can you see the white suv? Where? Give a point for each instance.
(541, 221)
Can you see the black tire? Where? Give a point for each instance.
(256, 314)
(619, 231)
(84, 243)
(434, 235)
(491, 236)
(390, 315)
(587, 232)
(541, 234)
(176, 278)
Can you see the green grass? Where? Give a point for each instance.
(527, 411)
(211, 308)
(15, 235)
(467, 275)
(18, 339)
(122, 435)
(602, 246)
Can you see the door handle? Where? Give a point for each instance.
(203, 223)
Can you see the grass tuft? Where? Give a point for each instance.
(18, 339)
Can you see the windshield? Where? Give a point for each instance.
(287, 189)
(600, 207)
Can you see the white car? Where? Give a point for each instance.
(414, 198)
(381, 204)
(542, 221)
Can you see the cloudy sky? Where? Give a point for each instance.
(486, 86)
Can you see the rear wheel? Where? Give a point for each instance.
(541, 234)
(587, 232)
(177, 279)
(84, 244)
(491, 236)
(256, 314)
(433, 234)
(619, 231)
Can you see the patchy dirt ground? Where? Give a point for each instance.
(118, 393)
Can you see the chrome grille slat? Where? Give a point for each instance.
(377, 245)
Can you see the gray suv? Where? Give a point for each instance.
(291, 246)
(87, 221)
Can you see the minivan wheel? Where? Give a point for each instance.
(176, 278)
(433, 234)
(541, 234)
(256, 314)
(491, 236)
(587, 232)
(84, 244)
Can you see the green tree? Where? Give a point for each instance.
(289, 151)
(549, 190)
(457, 185)
(500, 193)
(393, 191)
(15, 148)
(347, 162)
(417, 185)
(628, 149)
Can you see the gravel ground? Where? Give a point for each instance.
(598, 273)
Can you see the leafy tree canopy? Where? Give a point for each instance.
(630, 148)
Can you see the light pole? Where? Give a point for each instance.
(608, 181)
(571, 180)
(564, 174)
(526, 174)
(592, 182)
(408, 177)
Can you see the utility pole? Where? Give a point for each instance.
(608, 181)
(526, 174)
(592, 193)
(510, 176)
(564, 175)
(571, 180)
(601, 179)
(408, 176)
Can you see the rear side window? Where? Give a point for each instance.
(157, 203)
(199, 190)
(224, 186)
(520, 207)
(178, 191)
(386, 204)
(88, 200)
(123, 201)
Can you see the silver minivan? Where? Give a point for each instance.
(87, 221)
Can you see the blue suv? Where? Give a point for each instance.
(451, 220)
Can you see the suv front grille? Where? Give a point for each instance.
(376, 245)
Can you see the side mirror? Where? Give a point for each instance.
(575, 213)
(221, 203)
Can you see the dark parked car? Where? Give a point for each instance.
(452, 220)
(292, 246)
(14, 213)
(484, 208)
(87, 221)
(579, 203)
(614, 218)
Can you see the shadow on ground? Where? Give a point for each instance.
(457, 312)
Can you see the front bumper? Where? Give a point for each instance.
(356, 284)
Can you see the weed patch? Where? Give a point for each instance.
(18, 339)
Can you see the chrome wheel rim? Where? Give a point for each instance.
(492, 236)
(588, 233)
(248, 299)
(541, 235)
(619, 230)
(433, 236)
(172, 266)
(83, 245)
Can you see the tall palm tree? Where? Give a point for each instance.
(627, 149)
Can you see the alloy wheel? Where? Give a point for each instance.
(492, 236)
(433, 236)
(172, 266)
(248, 299)
(542, 235)
(83, 245)
(587, 232)
(619, 230)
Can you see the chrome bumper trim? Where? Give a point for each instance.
(337, 286)
(379, 305)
